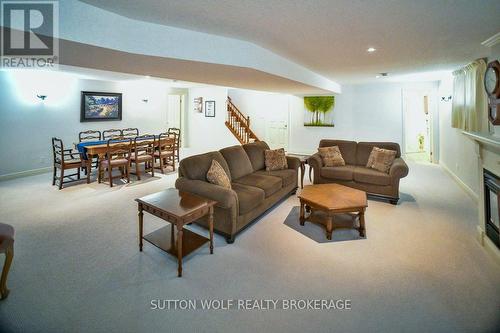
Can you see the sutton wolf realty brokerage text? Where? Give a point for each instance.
(250, 304)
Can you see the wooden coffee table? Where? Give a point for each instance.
(179, 209)
(324, 201)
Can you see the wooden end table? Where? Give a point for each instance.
(303, 162)
(179, 209)
(324, 201)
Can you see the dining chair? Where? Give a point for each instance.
(177, 132)
(166, 151)
(89, 135)
(65, 159)
(111, 134)
(144, 149)
(7, 247)
(117, 156)
(130, 132)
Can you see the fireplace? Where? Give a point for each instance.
(491, 204)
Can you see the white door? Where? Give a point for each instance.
(174, 111)
(277, 134)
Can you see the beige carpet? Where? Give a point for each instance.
(77, 267)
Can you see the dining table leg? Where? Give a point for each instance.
(89, 167)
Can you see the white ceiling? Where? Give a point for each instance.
(330, 37)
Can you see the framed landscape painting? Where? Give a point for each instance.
(100, 106)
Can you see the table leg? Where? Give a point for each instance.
(302, 172)
(211, 228)
(302, 218)
(362, 223)
(89, 167)
(179, 249)
(329, 227)
(9, 254)
(141, 224)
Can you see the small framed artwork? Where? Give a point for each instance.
(100, 106)
(198, 104)
(210, 109)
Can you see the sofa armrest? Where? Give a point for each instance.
(399, 169)
(226, 198)
(293, 162)
(315, 161)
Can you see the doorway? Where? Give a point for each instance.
(419, 107)
(174, 113)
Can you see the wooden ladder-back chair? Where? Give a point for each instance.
(166, 151)
(87, 136)
(64, 159)
(111, 134)
(130, 132)
(177, 133)
(144, 150)
(117, 156)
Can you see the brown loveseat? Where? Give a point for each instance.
(254, 190)
(355, 173)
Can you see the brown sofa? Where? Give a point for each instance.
(355, 173)
(254, 190)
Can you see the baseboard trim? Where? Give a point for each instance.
(488, 244)
(460, 183)
(26, 173)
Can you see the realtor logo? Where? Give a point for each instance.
(29, 34)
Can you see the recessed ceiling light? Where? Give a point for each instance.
(371, 50)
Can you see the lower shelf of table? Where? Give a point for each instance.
(166, 240)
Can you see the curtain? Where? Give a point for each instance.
(469, 105)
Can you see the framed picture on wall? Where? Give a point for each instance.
(100, 106)
(198, 104)
(210, 109)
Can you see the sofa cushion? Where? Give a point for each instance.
(255, 152)
(216, 175)
(249, 197)
(269, 184)
(365, 148)
(340, 172)
(287, 176)
(381, 159)
(331, 156)
(196, 167)
(275, 159)
(237, 160)
(347, 149)
(371, 176)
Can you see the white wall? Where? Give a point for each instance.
(368, 112)
(27, 124)
(208, 133)
(457, 151)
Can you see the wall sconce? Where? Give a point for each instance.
(145, 100)
(42, 97)
(446, 98)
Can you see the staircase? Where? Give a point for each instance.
(238, 124)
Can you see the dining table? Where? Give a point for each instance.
(90, 149)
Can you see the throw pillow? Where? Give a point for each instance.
(331, 156)
(275, 159)
(216, 175)
(381, 159)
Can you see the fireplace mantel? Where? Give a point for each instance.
(485, 139)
